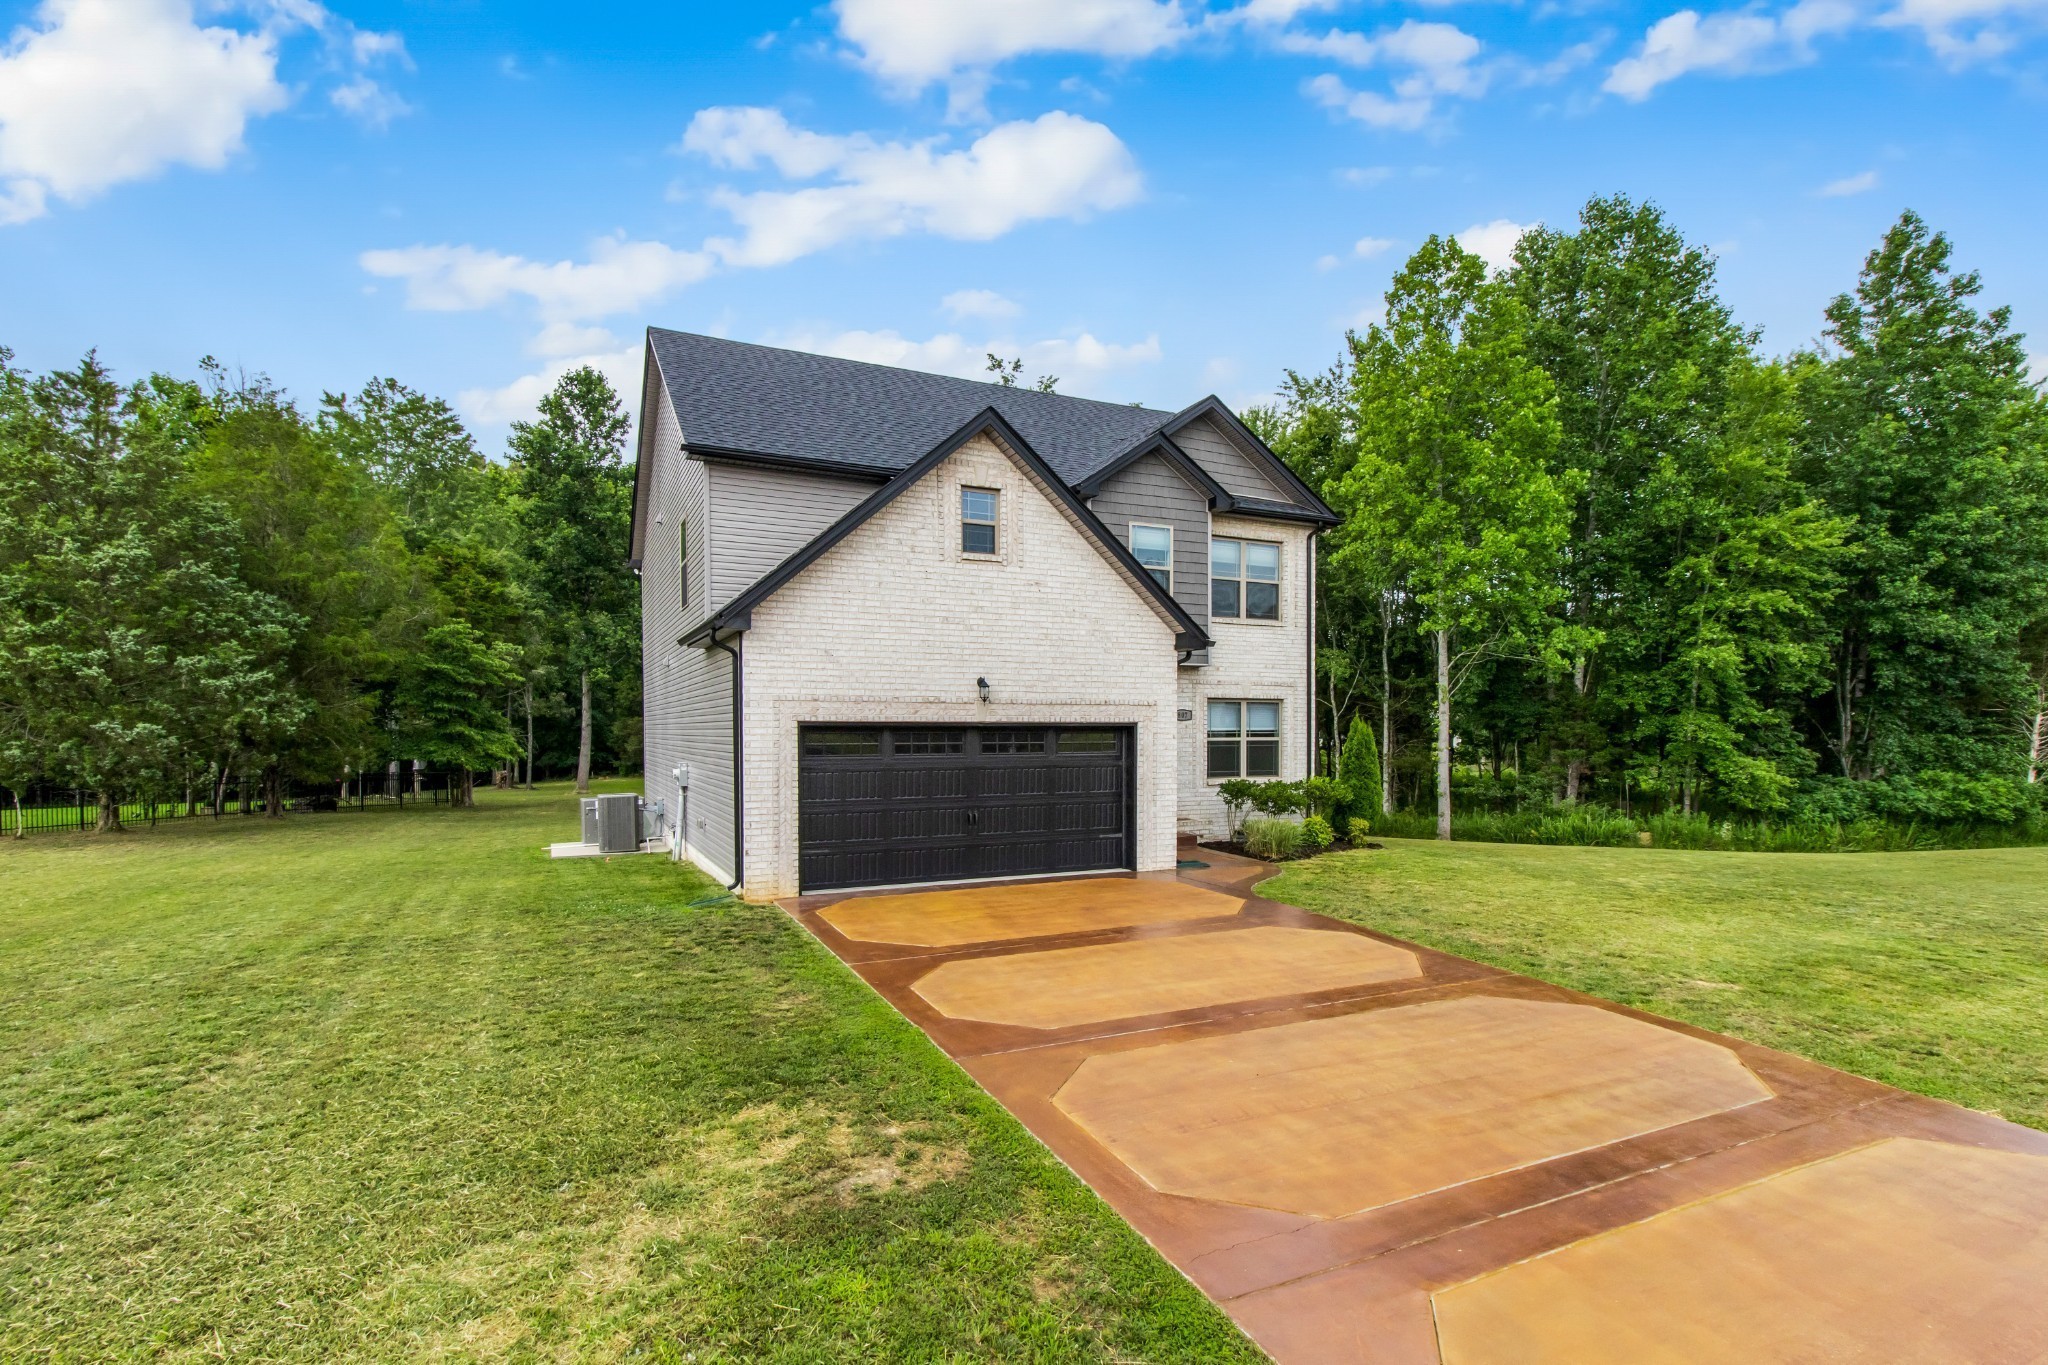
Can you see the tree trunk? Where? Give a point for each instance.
(110, 813)
(529, 734)
(220, 789)
(1443, 734)
(20, 827)
(2034, 739)
(462, 790)
(583, 741)
(1386, 710)
(273, 792)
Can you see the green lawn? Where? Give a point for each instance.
(392, 1085)
(1928, 971)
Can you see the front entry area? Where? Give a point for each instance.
(883, 805)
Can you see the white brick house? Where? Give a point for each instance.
(901, 627)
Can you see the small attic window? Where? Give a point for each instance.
(978, 521)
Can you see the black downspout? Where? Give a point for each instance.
(739, 767)
(1314, 731)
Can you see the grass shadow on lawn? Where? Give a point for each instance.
(1927, 971)
(392, 1084)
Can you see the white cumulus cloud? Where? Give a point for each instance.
(1964, 31)
(97, 92)
(1732, 42)
(978, 303)
(910, 44)
(520, 399)
(1436, 59)
(620, 275)
(1058, 165)
(1494, 242)
(1368, 247)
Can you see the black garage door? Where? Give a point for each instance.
(879, 805)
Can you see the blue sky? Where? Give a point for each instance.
(1152, 200)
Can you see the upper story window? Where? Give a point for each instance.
(978, 521)
(1244, 579)
(683, 561)
(1153, 547)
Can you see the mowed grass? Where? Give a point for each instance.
(390, 1085)
(1928, 971)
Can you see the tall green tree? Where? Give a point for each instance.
(1624, 317)
(1452, 487)
(1722, 642)
(449, 704)
(1921, 428)
(317, 535)
(574, 511)
(130, 644)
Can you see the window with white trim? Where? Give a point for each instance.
(1244, 579)
(1152, 546)
(978, 508)
(683, 559)
(1244, 739)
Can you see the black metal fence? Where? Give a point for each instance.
(76, 809)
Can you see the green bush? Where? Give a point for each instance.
(1317, 834)
(1237, 796)
(1358, 764)
(1360, 827)
(1271, 839)
(1329, 799)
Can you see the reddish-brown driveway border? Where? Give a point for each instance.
(1360, 1287)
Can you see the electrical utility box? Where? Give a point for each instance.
(618, 823)
(589, 805)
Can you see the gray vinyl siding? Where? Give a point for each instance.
(1151, 491)
(688, 688)
(764, 516)
(1240, 476)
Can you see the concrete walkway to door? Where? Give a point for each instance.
(1366, 1150)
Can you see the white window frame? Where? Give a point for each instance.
(683, 561)
(1138, 526)
(1242, 615)
(1242, 740)
(994, 522)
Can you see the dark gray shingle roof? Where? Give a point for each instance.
(738, 396)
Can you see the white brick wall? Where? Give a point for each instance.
(1251, 661)
(892, 624)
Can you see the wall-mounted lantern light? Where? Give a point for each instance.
(981, 684)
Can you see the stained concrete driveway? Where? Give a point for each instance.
(1365, 1150)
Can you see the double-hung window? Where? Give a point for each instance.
(1244, 579)
(1244, 739)
(683, 561)
(1153, 548)
(978, 521)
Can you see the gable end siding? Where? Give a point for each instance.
(1207, 445)
(766, 515)
(1152, 491)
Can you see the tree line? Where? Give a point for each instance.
(1597, 548)
(202, 585)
